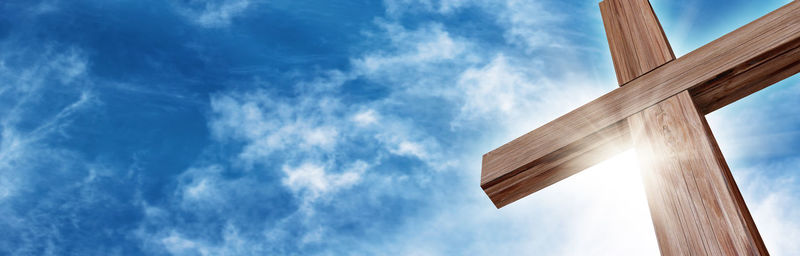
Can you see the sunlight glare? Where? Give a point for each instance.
(604, 209)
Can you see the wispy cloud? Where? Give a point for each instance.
(773, 203)
(327, 150)
(428, 45)
(508, 92)
(365, 117)
(44, 91)
(213, 13)
(20, 143)
(232, 244)
(312, 180)
(267, 124)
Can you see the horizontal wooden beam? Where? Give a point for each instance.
(561, 164)
(725, 90)
(718, 73)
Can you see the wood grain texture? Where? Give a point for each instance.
(718, 93)
(635, 37)
(695, 204)
(732, 62)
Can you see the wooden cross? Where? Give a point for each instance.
(660, 110)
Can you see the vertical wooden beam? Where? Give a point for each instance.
(635, 38)
(694, 202)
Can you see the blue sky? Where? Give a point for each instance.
(250, 127)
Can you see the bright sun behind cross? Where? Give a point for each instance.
(605, 206)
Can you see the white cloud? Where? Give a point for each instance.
(269, 126)
(315, 181)
(365, 118)
(776, 216)
(6, 187)
(531, 24)
(204, 188)
(20, 132)
(314, 236)
(517, 96)
(307, 176)
(496, 88)
(199, 190)
(773, 203)
(315, 124)
(177, 245)
(232, 244)
(430, 44)
(397, 8)
(16, 144)
(321, 136)
(214, 13)
(410, 149)
(425, 64)
(401, 138)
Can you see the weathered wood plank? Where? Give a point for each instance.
(635, 37)
(716, 94)
(738, 54)
(695, 204)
